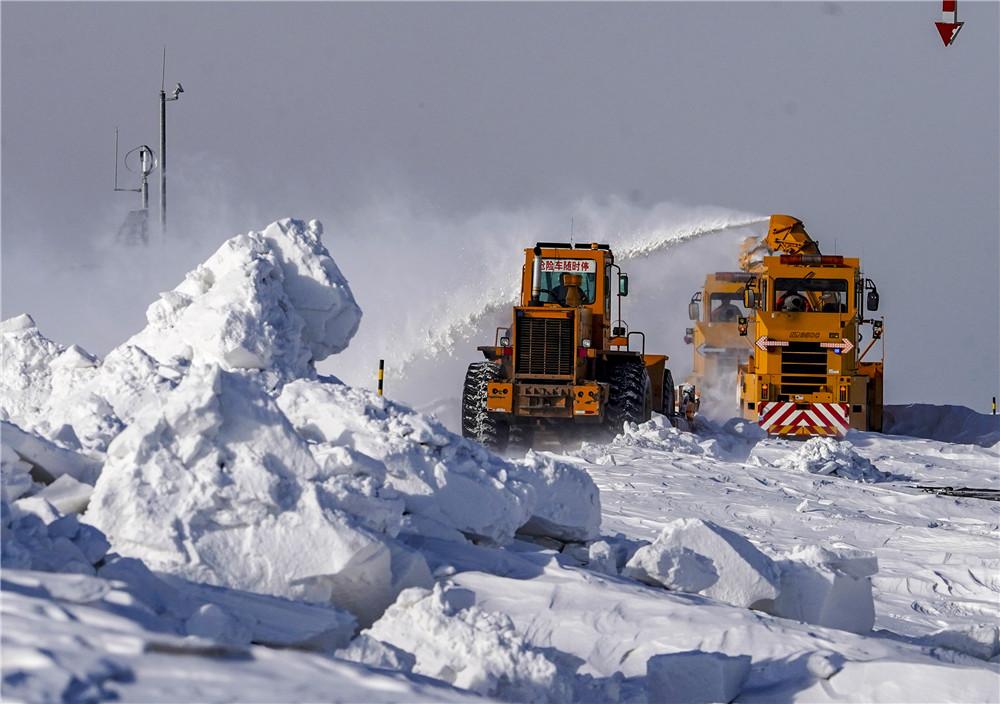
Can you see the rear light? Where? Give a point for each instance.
(585, 342)
(763, 391)
(505, 342)
(843, 394)
(824, 260)
(581, 352)
(507, 351)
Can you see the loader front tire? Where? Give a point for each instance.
(630, 396)
(477, 423)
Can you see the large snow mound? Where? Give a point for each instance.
(948, 423)
(272, 300)
(215, 485)
(828, 456)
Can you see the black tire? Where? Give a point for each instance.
(477, 423)
(630, 396)
(669, 394)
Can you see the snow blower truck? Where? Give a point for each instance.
(565, 361)
(807, 375)
(717, 345)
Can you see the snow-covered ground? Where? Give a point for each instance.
(201, 516)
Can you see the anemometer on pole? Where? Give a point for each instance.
(143, 160)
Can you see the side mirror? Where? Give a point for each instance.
(742, 323)
(693, 310)
(618, 332)
(749, 298)
(873, 300)
(623, 284)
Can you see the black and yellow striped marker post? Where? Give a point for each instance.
(994, 405)
(381, 375)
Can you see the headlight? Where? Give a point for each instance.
(585, 342)
(505, 342)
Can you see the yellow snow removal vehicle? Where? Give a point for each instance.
(718, 347)
(808, 375)
(565, 360)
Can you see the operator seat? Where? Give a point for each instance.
(571, 285)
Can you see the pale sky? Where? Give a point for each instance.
(851, 116)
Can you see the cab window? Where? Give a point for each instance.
(557, 286)
(810, 295)
(726, 307)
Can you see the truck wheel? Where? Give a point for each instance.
(669, 391)
(630, 397)
(477, 423)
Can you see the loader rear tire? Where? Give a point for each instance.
(669, 395)
(477, 423)
(630, 396)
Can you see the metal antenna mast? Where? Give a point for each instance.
(163, 140)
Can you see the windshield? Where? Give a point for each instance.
(565, 288)
(810, 295)
(726, 307)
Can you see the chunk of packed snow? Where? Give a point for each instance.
(567, 503)
(658, 434)
(828, 587)
(455, 641)
(47, 460)
(699, 556)
(273, 301)
(214, 485)
(695, 677)
(980, 641)
(37, 537)
(15, 473)
(821, 455)
(440, 476)
(368, 651)
(67, 494)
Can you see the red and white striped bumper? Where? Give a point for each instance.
(786, 418)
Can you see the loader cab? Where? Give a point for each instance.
(569, 276)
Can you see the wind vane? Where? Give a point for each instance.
(949, 25)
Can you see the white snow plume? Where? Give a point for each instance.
(826, 456)
(272, 300)
(455, 641)
(440, 286)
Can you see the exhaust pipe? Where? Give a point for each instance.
(536, 277)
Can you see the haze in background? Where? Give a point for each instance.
(425, 135)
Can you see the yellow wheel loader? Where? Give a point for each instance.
(566, 360)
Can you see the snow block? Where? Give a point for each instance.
(567, 502)
(829, 588)
(692, 555)
(980, 641)
(214, 485)
(695, 677)
(67, 494)
(272, 301)
(469, 648)
(439, 475)
(368, 651)
(47, 460)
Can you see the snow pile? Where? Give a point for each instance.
(455, 641)
(272, 300)
(25, 452)
(948, 423)
(567, 503)
(692, 555)
(828, 456)
(448, 485)
(658, 434)
(215, 485)
(695, 677)
(37, 537)
(828, 588)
